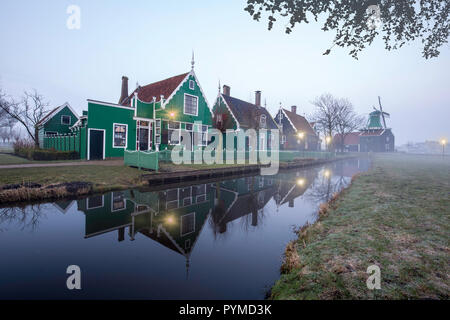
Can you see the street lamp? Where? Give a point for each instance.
(443, 142)
(172, 114)
(300, 135)
(328, 141)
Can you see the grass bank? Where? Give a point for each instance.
(396, 216)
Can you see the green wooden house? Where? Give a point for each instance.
(57, 121)
(235, 114)
(150, 118)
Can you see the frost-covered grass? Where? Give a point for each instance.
(396, 216)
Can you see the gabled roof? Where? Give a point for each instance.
(351, 138)
(164, 87)
(299, 122)
(244, 112)
(54, 112)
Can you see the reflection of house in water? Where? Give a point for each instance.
(63, 205)
(173, 217)
(293, 184)
(240, 197)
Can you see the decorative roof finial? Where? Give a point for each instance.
(219, 86)
(193, 60)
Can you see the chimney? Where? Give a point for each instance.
(226, 90)
(294, 109)
(258, 98)
(124, 92)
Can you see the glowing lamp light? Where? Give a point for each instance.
(170, 220)
(328, 139)
(327, 173)
(301, 182)
(444, 142)
(172, 114)
(301, 135)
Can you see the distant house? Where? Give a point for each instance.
(235, 114)
(296, 133)
(347, 143)
(376, 137)
(57, 121)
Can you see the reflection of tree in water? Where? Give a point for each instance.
(218, 226)
(325, 186)
(25, 217)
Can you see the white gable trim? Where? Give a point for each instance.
(58, 109)
(285, 114)
(163, 104)
(229, 109)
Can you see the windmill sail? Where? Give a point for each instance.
(382, 113)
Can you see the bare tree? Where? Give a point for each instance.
(326, 114)
(29, 112)
(4, 134)
(347, 121)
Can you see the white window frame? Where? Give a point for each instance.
(126, 136)
(66, 124)
(123, 200)
(192, 84)
(90, 208)
(168, 133)
(181, 224)
(263, 116)
(184, 105)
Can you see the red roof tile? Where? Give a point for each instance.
(164, 87)
(299, 122)
(350, 139)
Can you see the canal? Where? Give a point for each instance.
(219, 240)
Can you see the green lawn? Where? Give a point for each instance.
(12, 159)
(102, 176)
(396, 216)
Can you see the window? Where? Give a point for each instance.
(281, 116)
(95, 202)
(262, 121)
(204, 136)
(283, 139)
(118, 201)
(120, 136)
(158, 131)
(174, 132)
(191, 84)
(187, 224)
(66, 120)
(190, 105)
(189, 126)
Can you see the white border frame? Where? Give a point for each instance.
(184, 105)
(70, 120)
(89, 142)
(181, 224)
(112, 201)
(126, 136)
(91, 208)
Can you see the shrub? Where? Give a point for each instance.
(51, 154)
(26, 149)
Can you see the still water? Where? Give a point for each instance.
(221, 240)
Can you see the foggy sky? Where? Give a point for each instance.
(152, 40)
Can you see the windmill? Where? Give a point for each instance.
(383, 114)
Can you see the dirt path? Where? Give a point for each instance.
(64, 164)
